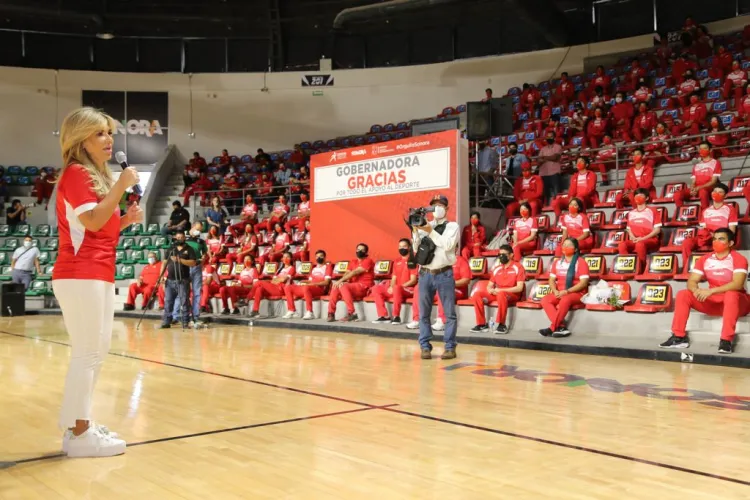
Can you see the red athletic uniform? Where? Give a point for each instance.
(556, 309)
(503, 276)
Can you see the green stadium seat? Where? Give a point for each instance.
(35, 242)
(152, 230)
(4, 230)
(41, 230)
(4, 259)
(159, 243)
(125, 272)
(31, 171)
(133, 230)
(22, 230)
(46, 273)
(38, 288)
(51, 245)
(135, 257)
(126, 244)
(45, 257)
(144, 243)
(54, 232)
(10, 244)
(5, 275)
(120, 256)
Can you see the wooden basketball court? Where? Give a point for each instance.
(253, 412)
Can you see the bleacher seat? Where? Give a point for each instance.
(610, 243)
(119, 256)
(597, 265)
(538, 291)
(383, 269)
(4, 258)
(737, 185)
(686, 215)
(303, 269)
(10, 244)
(677, 237)
(478, 266)
(152, 230)
(6, 274)
(609, 198)
(618, 220)
(596, 219)
(4, 230)
(133, 230)
(41, 231)
(125, 272)
(550, 238)
(339, 269)
(688, 266)
(126, 244)
(652, 298)
(659, 267)
(46, 273)
(625, 294)
(624, 268)
(668, 191)
(22, 230)
(159, 243)
(533, 266)
(38, 288)
(145, 243)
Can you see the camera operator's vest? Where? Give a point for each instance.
(426, 248)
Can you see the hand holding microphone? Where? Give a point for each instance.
(129, 174)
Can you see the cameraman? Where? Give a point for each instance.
(436, 274)
(181, 258)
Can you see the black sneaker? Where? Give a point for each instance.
(382, 319)
(165, 325)
(225, 312)
(236, 311)
(396, 321)
(254, 314)
(128, 307)
(480, 329)
(725, 347)
(675, 342)
(545, 332)
(501, 329)
(561, 332)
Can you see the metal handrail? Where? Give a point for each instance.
(275, 193)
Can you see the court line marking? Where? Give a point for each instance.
(219, 431)
(426, 417)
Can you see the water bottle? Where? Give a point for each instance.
(492, 325)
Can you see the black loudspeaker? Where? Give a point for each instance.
(478, 121)
(12, 300)
(502, 116)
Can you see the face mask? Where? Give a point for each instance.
(714, 125)
(320, 260)
(639, 199)
(195, 233)
(581, 165)
(573, 210)
(720, 246)
(618, 100)
(524, 212)
(598, 114)
(403, 251)
(287, 261)
(607, 141)
(503, 258)
(637, 158)
(550, 140)
(526, 173)
(717, 197)
(513, 152)
(440, 212)
(694, 99)
(568, 251)
(474, 222)
(704, 153)
(151, 260)
(26, 244)
(179, 242)
(361, 254)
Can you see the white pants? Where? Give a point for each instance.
(88, 308)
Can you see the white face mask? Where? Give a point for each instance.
(195, 233)
(27, 244)
(151, 260)
(439, 212)
(618, 100)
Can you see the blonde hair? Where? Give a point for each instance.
(77, 127)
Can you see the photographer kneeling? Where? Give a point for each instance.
(436, 243)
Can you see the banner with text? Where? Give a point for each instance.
(363, 194)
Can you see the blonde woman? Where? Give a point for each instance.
(89, 223)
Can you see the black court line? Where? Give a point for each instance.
(426, 417)
(218, 431)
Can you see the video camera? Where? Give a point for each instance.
(418, 216)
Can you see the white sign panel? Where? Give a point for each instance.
(421, 171)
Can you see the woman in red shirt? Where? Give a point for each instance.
(89, 225)
(575, 225)
(644, 226)
(280, 241)
(639, 175)
(248, 245)
(474, 237)
(216, 248)
(275, 287)
(569, 280)
(524, 233)
(716, 137)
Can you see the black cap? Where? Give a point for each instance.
(439, 198)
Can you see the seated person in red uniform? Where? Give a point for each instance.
(687, 88)
(277, 286)
(462, 276)
(638, 176)
(505, 288)
(211, 286)
(241, 288)
(734, 86)
(658, 146)
(716, 137)
(605, 159)
(247, 244)
(597, 128)
(278, 215)
(644, 123)
(725, 270)
(281, 243)
(354, 285)
(399, 288)
(473, 238)
(622, 117)
(524, 233)
(249, 215)
(693, 118)
(582, 186)
(575, 225)
(569, 279)
(315, 287)
(303, 213)
(216, 248)
(145, 284)
(643, 228)
(303, 239)
(643, 92)
(715, 216)
(706, 174)
(527, 189)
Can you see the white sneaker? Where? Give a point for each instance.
(94, 443)
(308, 315)
(413, 325)
(102, 428)
(438, 325)
(288, 315)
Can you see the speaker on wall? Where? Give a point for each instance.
(502, 116)
(478, 121)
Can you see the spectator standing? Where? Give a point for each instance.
(25, 259)
(550, 167)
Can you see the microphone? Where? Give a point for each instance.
(123, 161)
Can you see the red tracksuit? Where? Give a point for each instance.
(248, 246)
(641, 223)
(354, 289)
(605, 159)
(711, 219)
(473, 242)
(249, 214)
(729, 305)
(622, 112)
(399, 293)
(530, 189)
(522, 229)
(703, 172)
(503, 276)
(643, 124)
(696, 115)
(530, 99)
(565, 93)
(556, 309)
(208, 290)
(318, 274)
(583, 187)
(734, 85)
(149, 275)
(264, 289)
(596, 130)
(298, 222)
(248, 277)
(687, 87)
(576, 226)
(635, 178)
